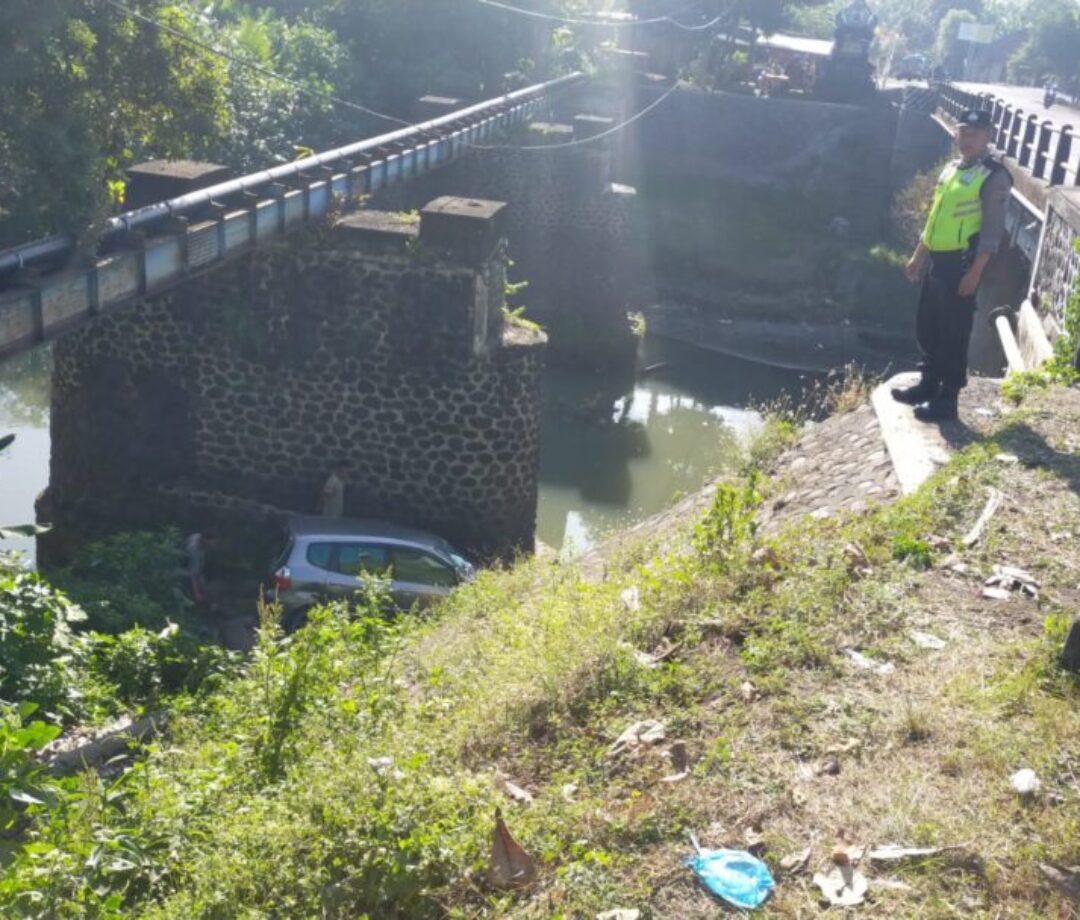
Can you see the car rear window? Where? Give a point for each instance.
(320, 555)
(361, 559)
(414, 566)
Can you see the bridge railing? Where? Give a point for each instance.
(1048, 151)
(186, 235)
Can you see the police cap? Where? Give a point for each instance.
(976, 118)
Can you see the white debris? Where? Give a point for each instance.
(638, 735)
(1025, 782)
(868, 664)
(927, 640)
(1006, 578)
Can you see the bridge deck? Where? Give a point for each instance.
(239, 215)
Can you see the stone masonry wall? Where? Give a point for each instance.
(574, 236)
(1059, 259)
(251, 382)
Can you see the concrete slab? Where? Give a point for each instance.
(918, 449)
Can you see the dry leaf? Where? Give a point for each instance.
(845, 852)
(993, 502)
(830, 766)
(794, 863)
(765, 555)
(511, 866)
(1067, 881)
(517, 793)
(843, 886)
(851, 744)
(640, 734)
(755, 840)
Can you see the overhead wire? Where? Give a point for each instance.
(604, 23)
(337, 100)
(252, 65)
(592, 138)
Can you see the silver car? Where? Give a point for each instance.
(329, 558)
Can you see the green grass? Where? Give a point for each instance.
(353, 769)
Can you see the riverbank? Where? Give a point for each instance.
(833, 681)
(810, 347)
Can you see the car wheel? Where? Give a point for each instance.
(295, 620)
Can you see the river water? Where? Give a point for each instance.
(613, 452)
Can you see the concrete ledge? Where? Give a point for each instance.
(917, 449)
(1035, 347)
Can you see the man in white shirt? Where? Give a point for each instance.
(332, 500)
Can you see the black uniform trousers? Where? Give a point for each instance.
(945, 319)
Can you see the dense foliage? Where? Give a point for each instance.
(90, 89)
(131, 579)
(121, 640)
(39, 651)
(1052, 29)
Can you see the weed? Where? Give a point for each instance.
(912, 550)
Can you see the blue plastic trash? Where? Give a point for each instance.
(738, 877)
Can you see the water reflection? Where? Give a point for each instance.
(612, 454)
(24, 466)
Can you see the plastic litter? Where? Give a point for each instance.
(863, 663)
(842, 886)
(1025, 781)
(734, 876)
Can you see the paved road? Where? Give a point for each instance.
(1030, 99)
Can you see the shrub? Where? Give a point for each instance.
(39, 652)
(23, 781)
(131, 579)
(143, 667)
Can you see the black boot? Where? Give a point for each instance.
(941, 408)
(927, 388)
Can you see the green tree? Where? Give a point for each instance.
(1053, 46)
(949, 50)
(87, 92)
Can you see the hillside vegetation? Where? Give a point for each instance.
(354, 769)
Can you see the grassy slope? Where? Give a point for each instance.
(271, 802)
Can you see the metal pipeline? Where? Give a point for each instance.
(53, 248)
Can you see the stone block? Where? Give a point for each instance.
(118, 278)
(586, 126)
(543, 132)
(19, 317)
(65, 299)
(431, 107)
(467, 228)
(160, 180)
(378, 231)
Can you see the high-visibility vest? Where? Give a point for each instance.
(956, 214)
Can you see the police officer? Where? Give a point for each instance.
(962, 234)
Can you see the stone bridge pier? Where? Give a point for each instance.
(376, 340)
